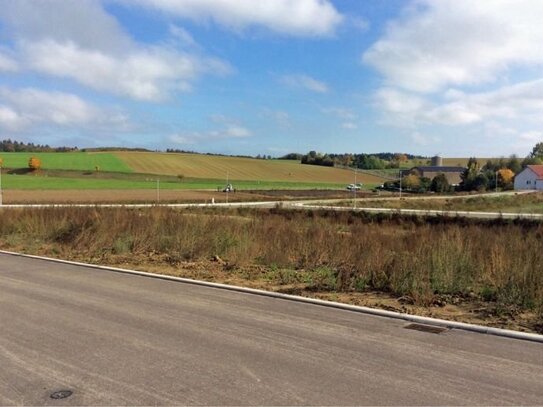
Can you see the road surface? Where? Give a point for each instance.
(319, 204)
(117, 339)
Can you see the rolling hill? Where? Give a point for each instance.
(249, 169)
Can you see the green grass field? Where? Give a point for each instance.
(34, 182)
(68, 161)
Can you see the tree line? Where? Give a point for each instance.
(376, 161)
(9, 146)
(499, 173)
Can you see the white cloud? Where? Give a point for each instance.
(349, 125)
(347, 116)
(520, 101)
(29, 108)
(440, 43)
(234, 131)
(298, 17)
(10, 119)
(423, 139)
(280, 117)
(7, 64)
(80, 41)
(305, 82)
(341, 112)
(143, 74)
(230, 131)
(361, 24)
(84, 22)
(532, 136)
(183, 36)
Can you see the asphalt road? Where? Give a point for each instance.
(117, 339)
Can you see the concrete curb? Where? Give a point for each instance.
(355, 308)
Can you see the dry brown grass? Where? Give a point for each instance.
(421, 260)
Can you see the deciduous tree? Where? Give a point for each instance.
(440, 184)
(537, 151)
(505, 177)
(34, 163)
(470, 174)
(411, 182)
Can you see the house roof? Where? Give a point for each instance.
(538, 169)
(439, 169)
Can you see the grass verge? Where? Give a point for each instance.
(526, 203)
(42, 181)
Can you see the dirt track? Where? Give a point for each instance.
(149, 196)
(135, 195)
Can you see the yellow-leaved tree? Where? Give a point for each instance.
(34, 163)
(505, 177)
(411, 182)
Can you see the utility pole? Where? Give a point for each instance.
(1, 162)
(354, 189)
(158, 190)
(496, 181)
(227, 186)
(400, 172)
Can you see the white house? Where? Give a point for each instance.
(530, 178)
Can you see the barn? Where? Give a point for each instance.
(453, 174)
(530, 178)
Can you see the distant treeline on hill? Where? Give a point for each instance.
(9, 146)
(105, 149)
(259, 156)
(376, 161)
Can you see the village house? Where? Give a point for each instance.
(530, 178)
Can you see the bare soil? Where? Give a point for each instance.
(169, 196)
(124, 196)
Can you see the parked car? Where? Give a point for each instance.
(228, 188)
(354, 187)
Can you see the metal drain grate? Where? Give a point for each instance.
(427, 328)
(61, 394)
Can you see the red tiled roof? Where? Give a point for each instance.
(538, 169)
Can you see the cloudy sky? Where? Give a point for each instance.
(455, 77)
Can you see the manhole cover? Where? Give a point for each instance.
(426, 328)
(61, 394)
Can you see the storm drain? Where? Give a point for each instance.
(427, 328)
(61, 394)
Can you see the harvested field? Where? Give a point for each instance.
(250, 169)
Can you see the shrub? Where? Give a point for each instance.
(34, 163)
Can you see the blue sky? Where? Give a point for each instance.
(454, 77)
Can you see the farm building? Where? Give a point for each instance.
(530, 178)
(452, 173)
